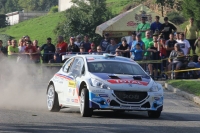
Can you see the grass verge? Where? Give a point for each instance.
(190, 86)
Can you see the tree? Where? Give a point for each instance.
(83, 18)
(190, 9)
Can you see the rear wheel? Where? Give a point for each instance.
(154, 114)
(84, 104)
(52, 99)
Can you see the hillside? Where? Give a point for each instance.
(37, 28)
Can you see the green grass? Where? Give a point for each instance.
(37, 28)
(190, 86)
(116, 6)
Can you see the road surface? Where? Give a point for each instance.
(179, 116)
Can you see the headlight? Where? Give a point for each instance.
(154, 88)
(99, 84)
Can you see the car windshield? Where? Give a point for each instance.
(115, 68)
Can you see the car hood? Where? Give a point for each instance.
(125, 82)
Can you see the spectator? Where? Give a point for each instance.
(9, 42)
(61, 47)
(191, 33)
(31, 51)
(184, 44)
(72, 47)
(86, 44)
(156, 26)
(105, 42)
(21, 46)
(93, 49)
(167, 28)
(147, 41)
(197, 45)
(197, 65)
(138, 40)
(82, 50)
(176, 58)
(54, 60)
(136, 53)
(13, 49)
(38, 55)
(49, 50)
(27, 38)
(154, 55)
(3, 50)
(163, 51)
(78, 41)
(111, 48)
(99, 50)
(176, 36)
(118, 53)
(170, 44)
(143, 27)
(124, 48)
(133, 39)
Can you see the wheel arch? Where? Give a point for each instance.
(50, 83)
(82, 85)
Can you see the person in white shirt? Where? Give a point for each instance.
(21, 46)
(184, 44)
(78, 40)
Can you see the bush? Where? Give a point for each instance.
(5, 38)
(176, 18)
(53, 9)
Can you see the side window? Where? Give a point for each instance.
(68, 65)
(77, 66)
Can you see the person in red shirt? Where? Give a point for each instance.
(31, 51)
(61, 47)
(93, 49)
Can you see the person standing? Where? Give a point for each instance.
(3, 50)
(167, 28)
(72, 47)
(31, 51)
(86, 44)
(111, 48)
(184, 44)
(78, 41)
(133, 39)
(147, 40)
(13, 50)
(49, 50)
(191, 33)
(169, 45)
(156, 26)
(143, 27)
(197, 45)
(124, 48)
(105, 42)
(92, 49)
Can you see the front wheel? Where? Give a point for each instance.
(154, 114)
(52, 99)
(84, 104)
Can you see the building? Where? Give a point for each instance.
(64, 5)
(19, 16)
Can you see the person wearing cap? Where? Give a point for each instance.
(167, 28)
(112, 46)
(72, 47)
(184, 44)
(143, 27)
(82, 50)
(169, 45)
(49, 50)
(176, 58)
(86, 43)
(133, 39)
(105, 42)
(156, 26)
(191, 33)
(93, 49)
(78, 41)
(124, 48)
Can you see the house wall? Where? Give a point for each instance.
(64, 5)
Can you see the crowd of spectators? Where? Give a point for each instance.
(154, 41)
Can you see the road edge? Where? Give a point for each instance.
(179, 92)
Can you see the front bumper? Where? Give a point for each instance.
(108, 99)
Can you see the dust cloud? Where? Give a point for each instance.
(23, 85)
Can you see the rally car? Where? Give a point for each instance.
(104, 82)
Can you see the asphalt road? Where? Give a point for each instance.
(179, 116)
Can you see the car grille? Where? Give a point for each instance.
(130, 96)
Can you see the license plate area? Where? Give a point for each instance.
(129, 107)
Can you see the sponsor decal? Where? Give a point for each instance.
(70, 90)
(68, 100)
(108, 100)
(96, 99)
(76, 100)
(98, 91)
(129, 107)
(131, 23)
(72, 100)
(73, 92)
(96, 95)
(72, 84)
(103, 95)
(127, 81)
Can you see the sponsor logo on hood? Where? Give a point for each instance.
(127, 81)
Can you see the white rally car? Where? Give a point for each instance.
(104, 82)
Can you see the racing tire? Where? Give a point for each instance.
(52, 99)
(154, 114)
(85, 110)
(119, 111)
